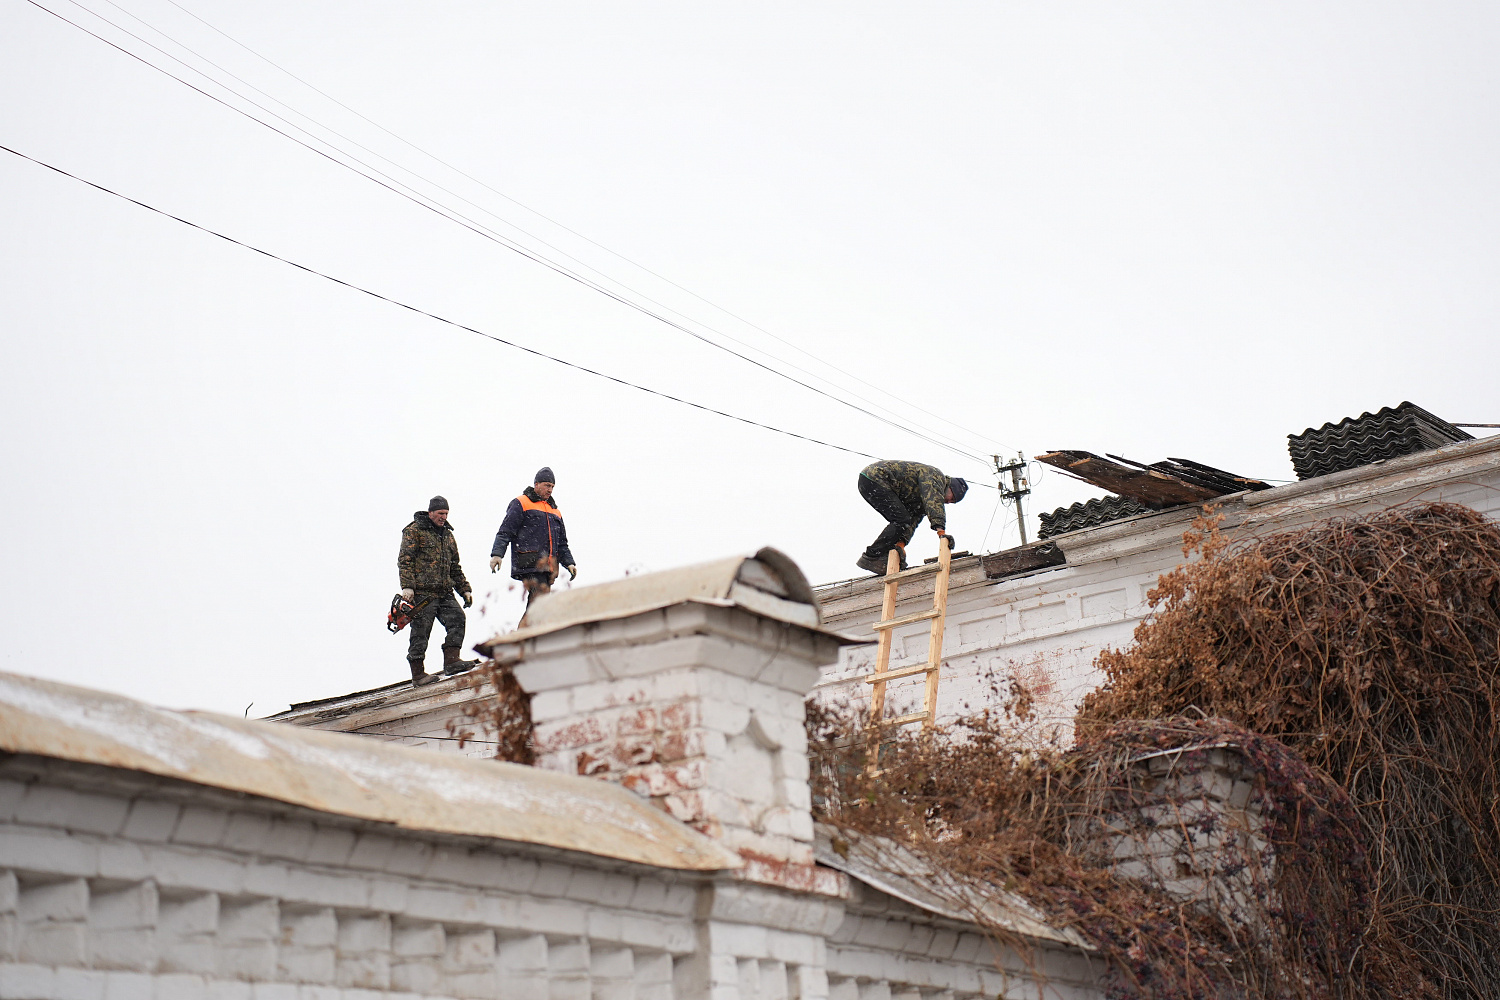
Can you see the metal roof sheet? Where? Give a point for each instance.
(896, 870)
(350, 775)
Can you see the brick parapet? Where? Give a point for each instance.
(699, 708)
(1196, 831)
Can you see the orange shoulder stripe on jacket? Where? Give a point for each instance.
(529, 504)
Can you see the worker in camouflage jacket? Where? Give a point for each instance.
(903, 493)
(533, 530)
(430, 575)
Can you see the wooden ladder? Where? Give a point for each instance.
(889, 623)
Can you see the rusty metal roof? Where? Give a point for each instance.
(768, 583)
(350, 775)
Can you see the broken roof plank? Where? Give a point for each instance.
(1210, 476)
(1022, 559)
(1149, 486)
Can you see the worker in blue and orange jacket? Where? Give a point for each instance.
(533, 528)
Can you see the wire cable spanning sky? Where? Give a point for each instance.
(431, 315)
(550, 220)
(1183, 230)
(342, 156)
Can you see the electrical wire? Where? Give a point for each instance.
(991, 525)
(449, 191)
(573, 232)
(430, 315)
(396, 186)
(495, 191)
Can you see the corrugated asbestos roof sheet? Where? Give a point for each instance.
(1371, 437)
(350, 775)
(1095, 512)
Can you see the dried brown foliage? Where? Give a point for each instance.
(1130, 846)
(498, 712)
(1351, 669)
(1369, 646)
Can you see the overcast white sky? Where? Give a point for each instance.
(1154, 229)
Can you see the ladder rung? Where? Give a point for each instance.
(902, 720)
(931, 567)
(920, 616)
(891, 675)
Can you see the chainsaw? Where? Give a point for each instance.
(402, 611)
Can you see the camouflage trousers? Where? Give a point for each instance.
(443, 607)
(900, 523)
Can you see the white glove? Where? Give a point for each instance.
(572, 573)
(408, 593)
(496, 562)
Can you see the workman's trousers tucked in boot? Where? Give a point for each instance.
(901, 524)
(443, 607)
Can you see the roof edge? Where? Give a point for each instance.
(350, 776)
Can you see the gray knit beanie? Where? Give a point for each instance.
(544, 475)
(437, 503)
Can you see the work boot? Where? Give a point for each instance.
(876, 564)
(452, 664)
(419, 674)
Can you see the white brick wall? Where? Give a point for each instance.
(700, 709)
(116, 886)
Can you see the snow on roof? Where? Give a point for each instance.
(768, 583)
(350, 775)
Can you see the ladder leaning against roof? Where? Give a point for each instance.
(889, 623)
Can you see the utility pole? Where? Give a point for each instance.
(1019, 487)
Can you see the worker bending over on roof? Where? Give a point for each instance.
(533, 528)
(903, 493)
(430, 574)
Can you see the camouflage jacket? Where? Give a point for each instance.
(428, 559)
(922, 489)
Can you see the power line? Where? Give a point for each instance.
(430, 315)
(421, 200)
(495, 191)
(501, 194)
(395, 186)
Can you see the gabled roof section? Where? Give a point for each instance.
(768, 583)
(1388, 433)
(350, 775)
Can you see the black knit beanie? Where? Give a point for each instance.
(959, 488)
(437, 503)
(544, 475)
